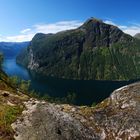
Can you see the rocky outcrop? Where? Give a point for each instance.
(32, 64)
(116, 118)
(10, 107)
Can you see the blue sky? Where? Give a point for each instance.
(21, 19)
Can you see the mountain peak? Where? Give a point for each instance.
(81, 43)
(93, 20)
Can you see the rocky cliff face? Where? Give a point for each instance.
(137, 36)
(100, 34)
(116, 118)
(32, 64)
(93, 51)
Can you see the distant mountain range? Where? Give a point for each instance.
(11, 49)
(95, 50)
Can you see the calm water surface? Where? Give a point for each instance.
(87, 91)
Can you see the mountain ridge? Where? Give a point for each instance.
(89, 52)
(137, 35)
(11, 49)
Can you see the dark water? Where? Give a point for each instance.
(87, 91)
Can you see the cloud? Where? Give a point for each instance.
(27, 34)
(25, 30)
(110, 22)
(57, 27)
(19, 38)
(131, 29)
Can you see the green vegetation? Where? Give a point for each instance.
(117, 62)
(93, 51)
(93, 104)
(20, 84)
(24, 86)
(1, 59)
(10, 103)
(69, 99)
(8, 115)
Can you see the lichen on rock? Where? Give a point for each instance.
(117, 117)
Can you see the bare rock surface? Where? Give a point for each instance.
(116, 118)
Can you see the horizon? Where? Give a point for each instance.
(22, 20)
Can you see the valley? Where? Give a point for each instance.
(80, 84)
(86, 91)
(69, 70)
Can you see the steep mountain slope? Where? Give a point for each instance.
(11, 106)
(93, 51)
(137, 36)
(116, 118)
(11, 49)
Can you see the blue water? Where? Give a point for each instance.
(87, 91)
(12, 69)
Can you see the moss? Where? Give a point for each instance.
(8, 115)
(103, 104)
(67, 108)
(11, 106)
(86, 111)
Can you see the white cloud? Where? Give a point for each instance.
(110, 22)
(19, 38)
(57, 27)
(25, 30)
(27, 34)
(131, 29)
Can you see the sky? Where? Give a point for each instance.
(20, 20)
